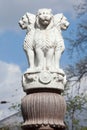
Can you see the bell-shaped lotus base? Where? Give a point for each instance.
(43, 109)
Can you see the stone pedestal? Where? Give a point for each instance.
(43, 107)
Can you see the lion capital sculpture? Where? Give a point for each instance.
(44, 41)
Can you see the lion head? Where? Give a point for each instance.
(44, 18)
(27, 20)
(61, 21)
(64, 23)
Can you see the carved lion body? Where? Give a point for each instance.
(44, 39)
(47, 39)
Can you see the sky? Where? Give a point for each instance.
(13, 61)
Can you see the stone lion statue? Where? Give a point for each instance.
(61, 23)
(48, 40)
(44, 39)
(27, 22)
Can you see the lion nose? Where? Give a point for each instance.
(45, 17)
(68, 24)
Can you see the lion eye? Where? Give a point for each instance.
(39, 13)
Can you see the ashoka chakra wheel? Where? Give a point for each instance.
(45, 77)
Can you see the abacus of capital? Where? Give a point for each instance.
(43, 107)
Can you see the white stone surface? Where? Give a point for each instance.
(44, 43)
(43, 80)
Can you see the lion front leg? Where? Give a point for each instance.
(40, 58)
(30, 57)
(49, 59)
(57, 57)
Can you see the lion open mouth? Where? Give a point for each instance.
(44, 21)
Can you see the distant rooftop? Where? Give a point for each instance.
(12, 120)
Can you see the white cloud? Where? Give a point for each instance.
(10, 87)
(78, 87)
(1, 113)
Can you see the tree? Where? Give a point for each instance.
(75, 96)
(77, 72)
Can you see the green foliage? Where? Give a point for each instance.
(75, 107)
(12, 127)
(15, 107)
(4, 128)
(84, 128)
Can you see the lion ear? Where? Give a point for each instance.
(58, 17)
(31, 18)
(37, 22)
(50, 10)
